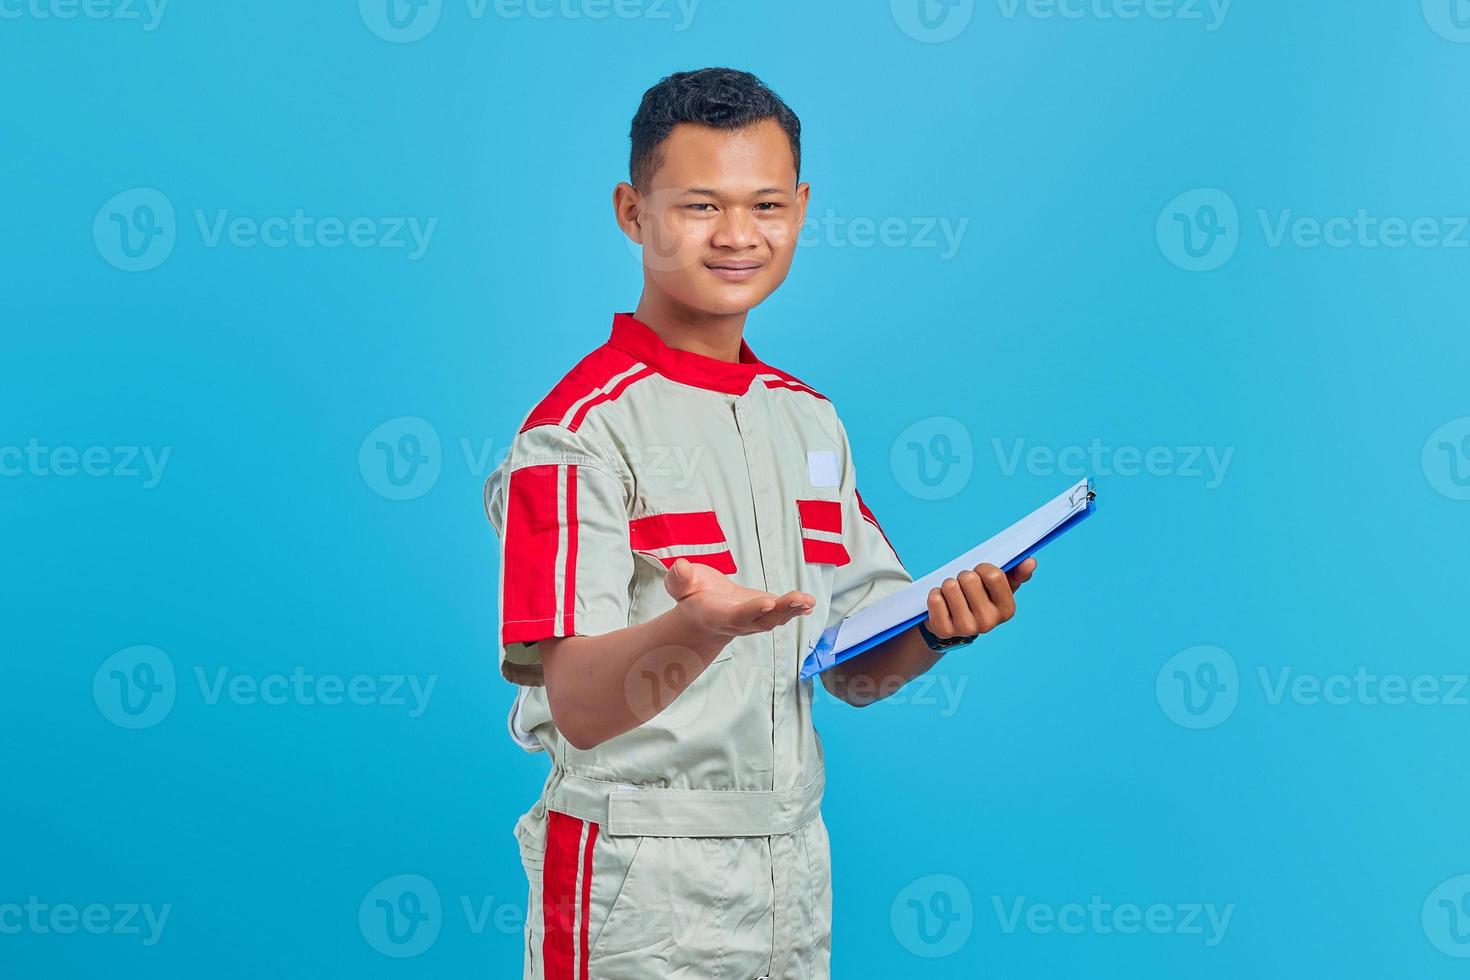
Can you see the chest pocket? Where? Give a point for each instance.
(692, 534)
(821, 531)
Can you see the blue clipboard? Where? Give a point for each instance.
(820, 658)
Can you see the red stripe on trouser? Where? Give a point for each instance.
(667, 530)
(587, 894)
(569, 593)
(531, 532)
(564, 944)
(820, 515)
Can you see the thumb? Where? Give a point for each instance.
(680, 579)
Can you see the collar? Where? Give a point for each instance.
(633, 336)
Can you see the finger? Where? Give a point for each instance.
(749, 611)
(998, 587)
(1021, 574)
(680, 578)
(960, 612)
(939, 619)
(796, 600)
(981, 605)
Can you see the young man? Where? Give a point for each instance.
(679, 521)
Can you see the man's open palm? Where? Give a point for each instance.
(712, 601)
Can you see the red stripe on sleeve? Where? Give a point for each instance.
(529, 578)
(829, 552)
(569, 593)
(820, 515)
(720, 561)
(667, 530)
(868, 516)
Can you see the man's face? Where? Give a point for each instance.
(719, 221)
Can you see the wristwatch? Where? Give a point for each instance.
(943, 645)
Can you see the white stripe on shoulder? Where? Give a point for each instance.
(601, 389)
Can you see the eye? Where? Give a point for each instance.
(703, 204)
(773, 205)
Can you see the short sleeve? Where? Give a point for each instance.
(558, 505)
(874, 570)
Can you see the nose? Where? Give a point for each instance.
(736, 229)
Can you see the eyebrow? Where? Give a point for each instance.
(711, 192)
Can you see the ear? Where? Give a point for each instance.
(803, 192)
(626, 203)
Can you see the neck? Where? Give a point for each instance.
(684, 328)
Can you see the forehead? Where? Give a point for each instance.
(728, 159)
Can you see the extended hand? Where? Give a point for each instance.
(976, 601)
(726, 609)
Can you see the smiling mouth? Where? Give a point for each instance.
(734, 271)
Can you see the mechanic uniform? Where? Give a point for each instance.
(691, 846)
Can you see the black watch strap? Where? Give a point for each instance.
(942, 645)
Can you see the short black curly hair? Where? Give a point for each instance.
(724, 98)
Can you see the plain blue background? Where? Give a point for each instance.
(1067, 760)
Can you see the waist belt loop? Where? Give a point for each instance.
(624, 810)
